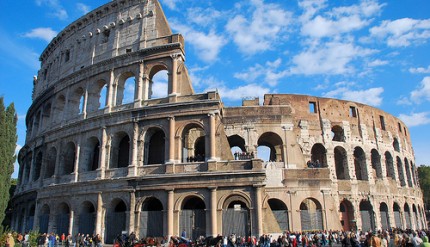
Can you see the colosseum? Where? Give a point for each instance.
(99, 161)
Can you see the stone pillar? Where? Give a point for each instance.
(212, 140)
(170, 202)
(139, 86)
(71, 222)
(132, 209)
(84, 106)
(171, 140)
(110, 91)
(102, 153)
(76, 168)
(259, 210)
(146, 87)
(173, 78)
(31, 171)
(132, 169)
(99, 213)
(66, 106)
(213, 210)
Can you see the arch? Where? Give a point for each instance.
(46, 115)
(347, 219)
(383, 210)
(408, 172)
(87, 218)
(319, 155)
(397, 215)
(311, 215)
(278, 214)
(38, 166)
(69, 154)
(236, 216)
(120, 150)
(237, 141)
(360, 164)
(367, 216)
(59, 105)
(27, 167)
(50, 163)
(341, 163)
(155, 146)
(400, 172)
(115, 219)
(44, 218)
(389, 165)
(192, 217)
(407, 212)
(414, 174)
(97, 95)
(337, 134)
(91, 154)
(151, 218)
(76, 102)
(63, 217)
(193, 143)
(274, 142)
(125, 89)
(396, 145)
(159, 85)
(417, 224)
(36, 124)
(30, 218)
(376, 163)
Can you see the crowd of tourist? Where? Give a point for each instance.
(53, 240)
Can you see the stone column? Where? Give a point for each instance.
(171, 139)
(213, 208)
(76, 168)
(258, 207)
(99, 213)
(146, 83)
(84, 107)
(31, 171)
(212, 140)
(173, 78)
(71, 222)
(132, 209)
(110, 91)
(170, 202)
(132, 171)
(102, 153)
(139, 86)
(66, 106)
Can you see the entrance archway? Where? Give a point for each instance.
(277, 212)
(367, 217)
(87, 218)
(383, 209)
(115, 222)
(192, 217)
(397, 216)
(63, 217)
(236, 217)
(151, 218)
(311, 215)
(347, 215)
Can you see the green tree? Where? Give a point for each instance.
(8, 138)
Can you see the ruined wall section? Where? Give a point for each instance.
(114, 29)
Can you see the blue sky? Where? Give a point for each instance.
(373, 52)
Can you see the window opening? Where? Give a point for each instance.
(312, 107)
(381, 119)
(352, 111)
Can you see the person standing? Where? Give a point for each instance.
(10, 241)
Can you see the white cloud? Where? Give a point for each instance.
(420, 70)
(371, 96)
(259, 31)
(160, 85)
(402, 32)
(423, 92)
(58, 9)
(331, 58)
(171, 4)
(377, 62)
(415, 119)
(268, 71)
(208, 45)
(83, 8)
(45, 33)
(13, 51)
(239, 93)
(203, 17)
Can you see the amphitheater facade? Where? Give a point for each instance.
(97, 160)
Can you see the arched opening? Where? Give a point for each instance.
(125, 89)
(155, 147)
(36, 123)
(347, 219)
(120, 151)
(116, 219)
(367, 216)
(91, 153)
(408, 172)
(50, 163)
(46, 115)
(376, 163)
(69, 155)
(383, 209)
(151, 218)
(311, 215)
(414, 174)
(63, 216)
(360, 164)
(59, 108)
(27, 168)
(276, 216)
(341, 163)
(30, 218)
(318, 156)
(337, 134)
(400, 172)
(87, 218)
(407, 216)
(75, 102)
(397, 216)
(97, 96)
(192, 217)
(237, 147)
(389, 164)
(159, 85)
(274, 142)
(38, 166)
(417, 224)
(44, 218)
(396, 145)
(193, 143)
(236, 216)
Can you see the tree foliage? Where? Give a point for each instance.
(8, 138)
(424, 177)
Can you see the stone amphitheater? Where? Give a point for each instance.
(97, 160)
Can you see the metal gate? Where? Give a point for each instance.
(236, 221)
(384, 220)
(43, 223)
(86, 223)
(311, 220)
(151, 224)
(367, 223)
(115, 224)
(398, 219)
(63, 223)
(408, 220)
(193, 221)
(282, 219)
